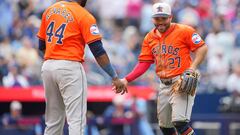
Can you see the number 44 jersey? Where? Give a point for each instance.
(66, 28)
(170, 50)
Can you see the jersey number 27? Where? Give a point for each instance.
(59, 33)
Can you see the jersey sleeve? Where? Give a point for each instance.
(146, 53)
(89, 29)
(42, 30)
(193, 39)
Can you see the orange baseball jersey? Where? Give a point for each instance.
(66, 28)
(171, 51)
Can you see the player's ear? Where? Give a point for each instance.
(171, 17)
(153, 21)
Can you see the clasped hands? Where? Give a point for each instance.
(119, 85)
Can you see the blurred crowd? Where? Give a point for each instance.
(123, 24)
(125, 116)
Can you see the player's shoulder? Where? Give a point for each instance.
(51, 6)
(151, 34)
(81, 13)
(87, 15)
(78, 11)
(48, 9)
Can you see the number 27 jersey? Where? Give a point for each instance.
(171, 51)
(66, 28)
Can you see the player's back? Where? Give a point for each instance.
(66, 29)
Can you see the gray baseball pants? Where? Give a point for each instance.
(66, 95)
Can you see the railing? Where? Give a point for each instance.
(222, 124)
(95, 93)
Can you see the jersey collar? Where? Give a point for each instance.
(156, 34)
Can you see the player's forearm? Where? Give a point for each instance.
(41, 53)
(105, 64)
(102, 58)
(199, 56)
(139, 69)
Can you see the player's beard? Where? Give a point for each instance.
(162, 27)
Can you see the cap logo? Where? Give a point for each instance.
(159, 9)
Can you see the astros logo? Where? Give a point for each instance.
(196, 38)
(159, 9)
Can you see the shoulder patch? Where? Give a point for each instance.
(94, 29)
(196, 39)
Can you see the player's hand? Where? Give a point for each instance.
(125, 82)
(119, 86)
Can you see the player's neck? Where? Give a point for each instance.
(159, 34)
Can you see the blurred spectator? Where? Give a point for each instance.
(6, 15)
(3, 69)
(233, 84)
(189, 16)
(146, 17)
(133, 14)
(232, 103)
(218, 70)
(27, 56)
(91, 127)
(28, 59)
(212, 39)
(117, 51)
(138, 107)
(204, 9)
(5, 49)
(226, 8)
(226, 41)
(118, 117)
(39, 127)
(11, 120)
(236, 31)
(220, 39)
(14, 77)
(132, 39)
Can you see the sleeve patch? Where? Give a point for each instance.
(196, 39)
(94, 29)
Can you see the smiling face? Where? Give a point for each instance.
(162, 23)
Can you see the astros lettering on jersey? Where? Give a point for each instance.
(62, 27)
(171, 51)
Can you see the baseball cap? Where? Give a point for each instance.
(161, 10)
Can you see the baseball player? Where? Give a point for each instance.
(169, 45)
(65, 30)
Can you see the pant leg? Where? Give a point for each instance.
(73, 86)
(164, 110)
(181, 106)
(54, 113)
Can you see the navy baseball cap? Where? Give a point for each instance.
(161, 10)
